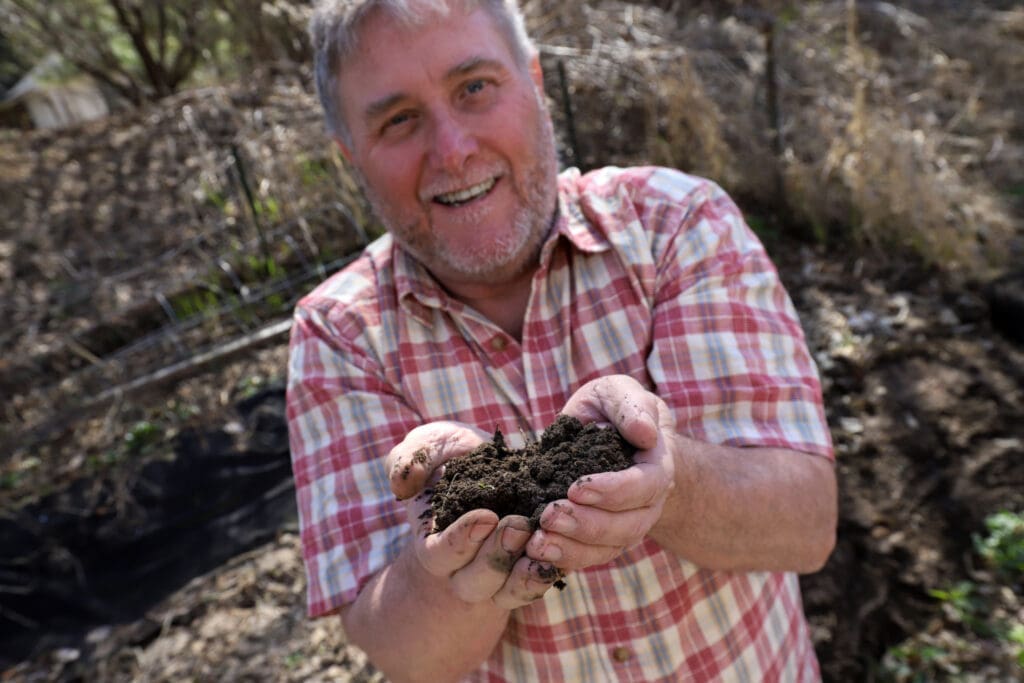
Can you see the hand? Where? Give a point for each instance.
(607, 513)
(481, 556)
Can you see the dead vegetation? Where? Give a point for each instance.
(897, 129)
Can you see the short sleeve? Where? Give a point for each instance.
(728, 351)
(343, 419)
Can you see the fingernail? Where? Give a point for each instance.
(560, 521)
(550, 553)
(481, 530)
(513, 540)
(586, 496)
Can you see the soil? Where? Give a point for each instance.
(523, 481)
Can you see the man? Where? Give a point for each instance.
(502, 295)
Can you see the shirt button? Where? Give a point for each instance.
(498, 343)
(621, 654)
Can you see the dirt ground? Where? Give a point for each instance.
(131, 244)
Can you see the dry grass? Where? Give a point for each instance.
(892, 140)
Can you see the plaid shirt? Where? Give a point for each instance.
(648, 272)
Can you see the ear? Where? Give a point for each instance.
(345, 151)
(537, 73)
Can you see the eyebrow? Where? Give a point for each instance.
(378, 108)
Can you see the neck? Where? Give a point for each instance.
(504, 305)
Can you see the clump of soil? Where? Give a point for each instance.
(523, 481)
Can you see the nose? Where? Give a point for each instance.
(453, 143)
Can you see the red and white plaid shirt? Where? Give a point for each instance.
(648, 272)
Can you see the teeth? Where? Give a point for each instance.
(467, 194)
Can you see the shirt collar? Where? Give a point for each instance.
(571, 221)
(418, 292)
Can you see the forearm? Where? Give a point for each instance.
(749, 509)
(413, 628)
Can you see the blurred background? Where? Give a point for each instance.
(167, 192)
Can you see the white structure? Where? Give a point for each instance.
(53, 102)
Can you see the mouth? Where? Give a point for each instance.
(465, 196)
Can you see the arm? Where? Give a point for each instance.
(749, 509)
(396, 620)
(423, 606)
(438, 610)
(740, 509)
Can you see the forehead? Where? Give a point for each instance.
(393, 56)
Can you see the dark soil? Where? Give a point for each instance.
(523, 481)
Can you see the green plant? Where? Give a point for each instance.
(1003, 547)
(141, 436)
(268, 208)
(314, 172)
(294, 659)
(250, 385)
(10, 480)
(916, 662)
(1016, 636)
(180, 410)
(196, 302)
(981, 617)
(960, 598)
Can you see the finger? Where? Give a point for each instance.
(487, 573)
(445, 552)
(583, 524)
(423, 450)
(528, 582)
(638, 486)
(568, 554)
(621, 401)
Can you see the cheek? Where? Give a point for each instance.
(393, 175)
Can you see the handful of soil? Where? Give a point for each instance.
(523, 482)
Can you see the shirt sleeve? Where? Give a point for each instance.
(728, 350)
(343, 418)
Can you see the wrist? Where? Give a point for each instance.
(678, 510)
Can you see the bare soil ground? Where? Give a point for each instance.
(135, 243)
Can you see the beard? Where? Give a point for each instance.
(498, 259)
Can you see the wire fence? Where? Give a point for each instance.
(144, 278)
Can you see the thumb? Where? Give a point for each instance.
(622, 402)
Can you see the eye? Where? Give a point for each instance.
(396, 122)
(475, 87)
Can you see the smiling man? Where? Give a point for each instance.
(502, 294)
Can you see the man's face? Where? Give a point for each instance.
(453, 143)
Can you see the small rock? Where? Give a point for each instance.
(851, 425)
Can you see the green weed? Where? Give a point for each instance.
(1003, 547)
(979, 617)
(141, 436)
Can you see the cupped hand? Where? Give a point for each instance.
(481, 556)
(606, 513)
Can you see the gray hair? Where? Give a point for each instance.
(334, 32)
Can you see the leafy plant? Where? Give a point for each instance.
(141, 436)
(1016, 636)
(960, 600)
(1003, 547)
(981, 616)
(915, 662)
